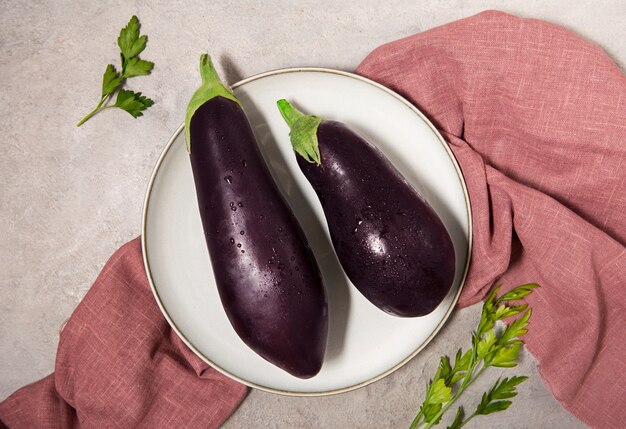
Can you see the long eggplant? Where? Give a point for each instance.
(268, 280)
(390, 242)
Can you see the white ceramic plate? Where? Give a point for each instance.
(364, 343)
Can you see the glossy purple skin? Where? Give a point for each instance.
(268, 280)
(390, 242)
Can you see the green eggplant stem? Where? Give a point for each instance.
(212, 86)
(303, 131)
(290, 114)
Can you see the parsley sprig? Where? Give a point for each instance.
(131, 45)
(491, 347)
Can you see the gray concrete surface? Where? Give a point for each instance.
(70, 196)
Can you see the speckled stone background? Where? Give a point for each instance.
(70, 196)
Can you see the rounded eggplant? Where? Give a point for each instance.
(390, 242)
(268, 280)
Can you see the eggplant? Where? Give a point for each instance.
(389, 241)
(268, 280)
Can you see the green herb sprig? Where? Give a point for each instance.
(131, 45)
(491, 347)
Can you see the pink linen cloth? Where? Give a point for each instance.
(119, 364)
(536, 117)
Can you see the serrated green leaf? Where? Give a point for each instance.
(488, 312)
(505, 356)
(485, 344)
(439, 392)
(474, 349)
(504, 311)
(506, 388)
(136, 67)
(486, 323)
(518, 293)
(462, 360)
(490, 300)
(456, 377)
(464, 363)
(494, 407)
(492, 402)
(484, 401)
(458, 357)
(128, 36)
(133, 102)
(445, 370)
(436, 377)
(515, 329)
(457, 423)
(110, 80)
(138, 46)
(461, 366)
(430, 412)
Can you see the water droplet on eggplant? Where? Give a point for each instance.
(229, 179)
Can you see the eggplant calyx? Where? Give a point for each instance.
(212, 86)
(303, 131)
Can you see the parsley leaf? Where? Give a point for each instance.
(518, 293)
(439, 392)
(131, 44)
(504, 311)
(493, 402)
(129, 35)
(133, 102)
(517, 328)
(461, 365)
(506, 388)
(445, 370)
(505, 357)
(485, 344)
(110, 81)
(491, 347)
(136, 67)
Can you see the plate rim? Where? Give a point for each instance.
(385, 373)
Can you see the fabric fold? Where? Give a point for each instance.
(119, 364)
